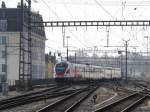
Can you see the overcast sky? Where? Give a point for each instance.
(81, 37)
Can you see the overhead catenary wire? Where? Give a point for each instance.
(68, 10)
(60, 19)
(104, 9)
(50, 9)
(110, 3)
(66, 7)
(104, 2)
(136, 8)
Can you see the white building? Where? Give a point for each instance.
(10, 30)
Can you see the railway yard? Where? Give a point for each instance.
(93, 97)
(74, 56)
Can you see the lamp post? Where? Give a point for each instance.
(75, 61)
(67, 46)
(147, 43)
(126, 52)
(120, 52)
(94, 55)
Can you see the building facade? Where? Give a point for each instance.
(10, 33)
(50, 61)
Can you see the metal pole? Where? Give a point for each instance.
(107, 31)
(75, 58)
(120, 52)
(25, 76)
(67, 52)
(126, 51)
(67, 47)
(63, 34)
(20, 84)
(126, 59)
(61, 58)
(121, 67)
(94, 58)
(75, 64)
(29, 80)
(4, 80)
(147, 44)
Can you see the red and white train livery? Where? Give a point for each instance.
(67, 70)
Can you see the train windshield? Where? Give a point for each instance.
(61, 68)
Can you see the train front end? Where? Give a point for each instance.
(61, 69)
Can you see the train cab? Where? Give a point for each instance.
(62, 71)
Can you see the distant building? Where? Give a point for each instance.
(50, 61)
(137, 64)
(10, 33)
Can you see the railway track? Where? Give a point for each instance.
(125, 104)
(44, 85)
(69, 103)
(34, 96)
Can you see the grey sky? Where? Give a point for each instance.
(92, 10)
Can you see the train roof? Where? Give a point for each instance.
(86, 65)
(63, 62)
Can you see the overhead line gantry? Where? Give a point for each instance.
(91, 23)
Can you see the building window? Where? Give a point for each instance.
(3, 67)
(3, 54)
(3, 25)
(2, 40)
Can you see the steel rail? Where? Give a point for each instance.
(137, 95)
(72, 108)
(61, 101)
(53, 89)
(33, 99)
(20, 100)
(127, 109)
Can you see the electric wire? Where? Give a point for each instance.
(104, 9)
(68, 10)
(137, 5)
(105, 2)
(60, 19)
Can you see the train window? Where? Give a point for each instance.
(61, 67)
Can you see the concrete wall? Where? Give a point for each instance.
(38, 57)
(11, 59)
(12, 48)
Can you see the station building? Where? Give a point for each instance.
(10, 30)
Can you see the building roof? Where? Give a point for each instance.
(10, 20)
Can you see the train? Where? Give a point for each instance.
(64, 70)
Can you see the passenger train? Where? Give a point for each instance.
(65, 70)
